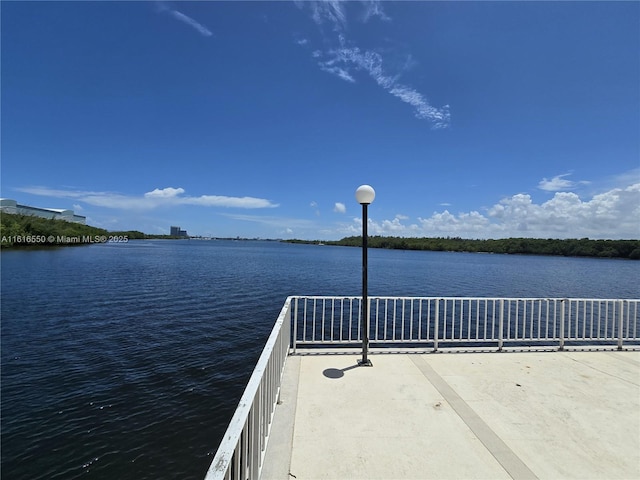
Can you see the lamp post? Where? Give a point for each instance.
(365, 195)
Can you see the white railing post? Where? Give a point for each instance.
(562, 313)
(620, 323)
(435, 327)
(295, 325)
(501, 325)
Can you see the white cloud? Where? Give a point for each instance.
(164, 193)
(614, 214)
(191, 22)
(164, 197)
(164, 7)
(558, 183)
(339, 207)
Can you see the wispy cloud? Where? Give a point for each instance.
(164, 7)
(314, 205)
(340, 61)
(331, 11)
(281, 223)
(373, 8)
(339, 207)
(559, 183)
(614, 214)
(345, 59)
(191, 22)
(164, 197)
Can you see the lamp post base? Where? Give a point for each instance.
(365, 363)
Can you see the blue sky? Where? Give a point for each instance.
(260, 119)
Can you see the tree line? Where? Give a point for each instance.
(30, 231)
(583, 247)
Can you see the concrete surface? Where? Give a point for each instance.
(547, 415)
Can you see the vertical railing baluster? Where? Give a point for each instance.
(444, 319)
(333, 312)
(395, 307)
(509, 305)
(453, 319)
(295, 324)
(486, 314)
(428, 325)
(304, 320)
(501, 325)
(468, 336)
(562, 310)
(515, 336)
(591, 323)
(341, 318)
(420, 319)
(313, 322)
(411, 320)
(620, 323)
(322, 321)
(377, 314)
(626, 328)
(402, 321)
(477, 319)
(386, 312)
(436, 326)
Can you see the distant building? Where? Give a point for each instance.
(176, 232)
(8, 205)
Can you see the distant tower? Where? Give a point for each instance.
(175, 231)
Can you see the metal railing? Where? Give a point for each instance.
(241, 451)
(463, 321)
(411, 321)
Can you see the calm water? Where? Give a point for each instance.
(127, 360)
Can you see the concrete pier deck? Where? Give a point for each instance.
(520, 415)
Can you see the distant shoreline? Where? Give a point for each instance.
(24, 231)
(625, 249)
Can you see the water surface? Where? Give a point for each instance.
(127, 360)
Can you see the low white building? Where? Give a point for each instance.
(8, 205)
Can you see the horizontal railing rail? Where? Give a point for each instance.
(241, 452)
(460, 321)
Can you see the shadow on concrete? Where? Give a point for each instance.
(338, 372)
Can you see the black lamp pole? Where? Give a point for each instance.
(365, 362)
(365, 195)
